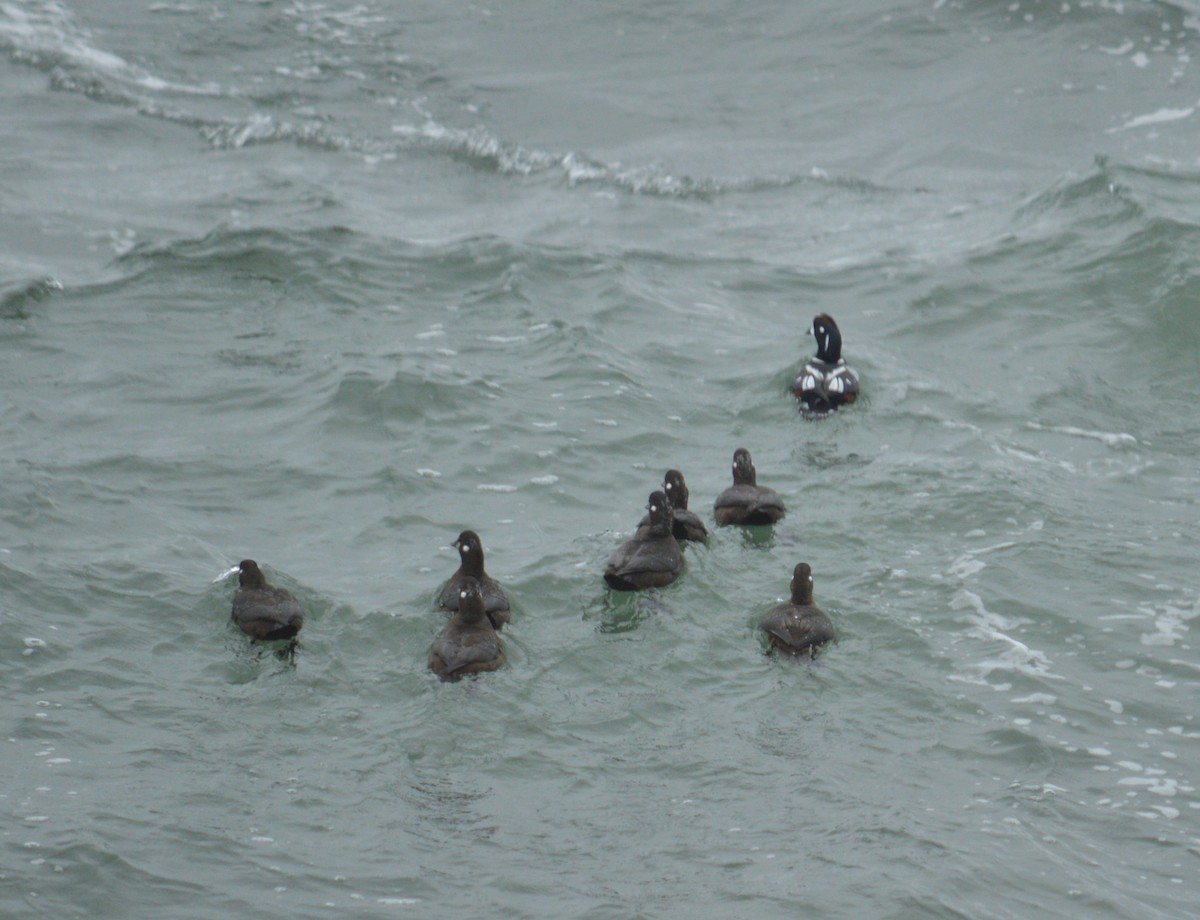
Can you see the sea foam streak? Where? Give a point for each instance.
(225, 574)
(1109, 438)
(47, 32)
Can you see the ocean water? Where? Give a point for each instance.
(324, 283)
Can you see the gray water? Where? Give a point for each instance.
(323, 284)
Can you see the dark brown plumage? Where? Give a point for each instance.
(651, 559)
(798, 627)
(262, 610)
(685, 525)
(495, 601)
(746, 502)
(468, 644)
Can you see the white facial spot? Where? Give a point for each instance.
(653, 508)
(462, 596)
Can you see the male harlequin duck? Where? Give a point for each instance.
(826, 382)
(746, 502)
(651, 559)
(798, 627)
(495, 601)
(263, 611)
(685, 525)
(468, 644)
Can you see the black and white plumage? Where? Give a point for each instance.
(651, 558)
(468, 644)
(264, 611)
(470, 554)
(685, 525)
(746, 502)
(827, 381)
(798, 627)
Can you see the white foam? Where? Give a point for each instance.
(1109, 438)
(507, 157)
(1045, 699)
(1029, 457)
(1170, 625)
(1162, 116)
(987, 625)
(225, 574)
(965, 566)
(50, 31)
(1164, 787)
(476, 142)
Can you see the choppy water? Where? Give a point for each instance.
(325, 283)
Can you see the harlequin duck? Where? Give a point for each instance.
(263, 611)
(826, 382)
(495, 601)
(651, 559)
(468, 644)
(746, 502)
(798, 627)
(685, 525)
